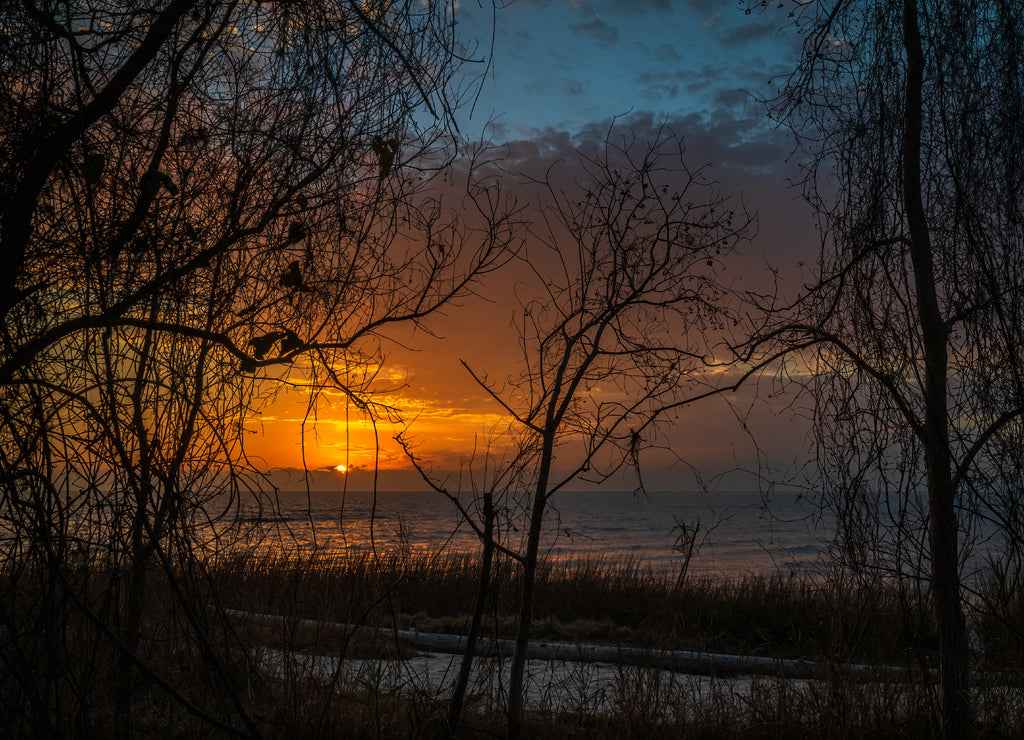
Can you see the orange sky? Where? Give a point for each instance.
(443, 420)
(447, 416)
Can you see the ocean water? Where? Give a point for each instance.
(734, 533)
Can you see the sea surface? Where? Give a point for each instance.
(732, 533)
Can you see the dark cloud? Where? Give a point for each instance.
(541, 86)
(747, 33)
(703, 79)
(756, 73)
(710, 11)
(738, 145)
(707, 7)
(519, 39)
(498, 130)
(665, 53)
(601, 32)
(746, 159)
(758, 155)
(536, 153)
(747, 81)
(660, 86)
(731, 98)
(642, 6)
(659, 93)
(672, 83)
(750, 70)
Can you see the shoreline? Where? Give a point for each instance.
(687, 662)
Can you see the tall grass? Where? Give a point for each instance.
(832, 617)
(296, 679)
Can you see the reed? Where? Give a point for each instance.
(831, 617)
(305, 679)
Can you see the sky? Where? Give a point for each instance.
(561, 72)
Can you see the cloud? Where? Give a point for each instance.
(731, 98)
(642, 6)
(708, 82)
(519, 40)
(664, 53)
(755, 74)
(748, 33)
(600, 31)
(703, 6)
(659, 86)
(737, 143)
(625, 7)
(701, 80)
(659, 93)
(543, 147)
(667, 53)
(708, 10)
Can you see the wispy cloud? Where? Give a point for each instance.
(747, 33)
(662, 53)
(599, 31)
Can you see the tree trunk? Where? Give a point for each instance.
(483, 589)
(135, 598)
(942, 532)
(517, 672)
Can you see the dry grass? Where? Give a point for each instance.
(235, 669)
(615, 603)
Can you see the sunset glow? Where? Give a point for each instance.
(535, 345)
(443, 412)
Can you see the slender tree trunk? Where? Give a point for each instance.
(943, 528)
(517, 672)
(483, 589)
(135, 598)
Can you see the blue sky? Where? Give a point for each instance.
(561, 64)
(562, 69)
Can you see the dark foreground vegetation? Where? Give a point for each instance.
(205, 204)
(271, 681)
(834, 617)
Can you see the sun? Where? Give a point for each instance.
(340, 468)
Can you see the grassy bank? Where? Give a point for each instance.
(270, 675)
(615, 603)
(833, 618)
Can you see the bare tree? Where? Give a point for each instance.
(628, 305)
(911, 113)
(196, 197)
(485, 500)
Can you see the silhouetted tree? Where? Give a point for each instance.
(195, 197)
(622, 326)
(914, 327)
(486, 500)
